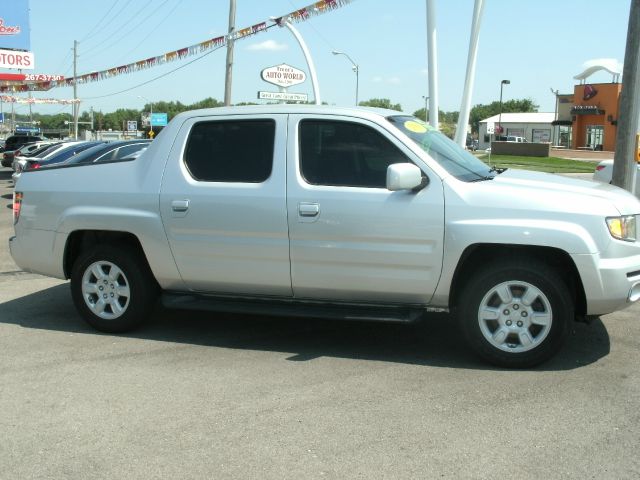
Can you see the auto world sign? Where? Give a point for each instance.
(283, 75)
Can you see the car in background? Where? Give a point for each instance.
(14, 142)
(58, 156)
(45, 151)
(118, 151)
(604, 173)
(9, 155)
(514, 139)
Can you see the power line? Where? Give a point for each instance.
(153, 30)
(315, 29)
(158, 77)
(102, 38)
(64, 60)
(133, 29)
(98, 24)
(166, 73)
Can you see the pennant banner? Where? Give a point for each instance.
(51, 101)
(300, 15)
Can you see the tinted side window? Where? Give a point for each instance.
(345, 154)
(231, 150)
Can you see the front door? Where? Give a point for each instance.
(595, 136)
(223, 205)
(351, 238)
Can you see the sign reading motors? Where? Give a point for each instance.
(16, 59)
(283, 75)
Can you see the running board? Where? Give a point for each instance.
(294, 308)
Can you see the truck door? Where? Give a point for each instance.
(351, 238)
(223, 205)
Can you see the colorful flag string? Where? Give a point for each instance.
(316, 8)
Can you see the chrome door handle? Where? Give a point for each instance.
(308, 209)
(180, 205)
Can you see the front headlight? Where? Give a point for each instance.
(622, 228)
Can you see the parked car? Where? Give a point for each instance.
(16, 141)
(107, 152)
(26, 149)
(57, 156)
(349, 213)
(512, 138)
(604, 173)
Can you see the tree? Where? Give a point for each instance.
(480, 112)
(443, 117)
(381, 103)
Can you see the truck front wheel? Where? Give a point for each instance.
(516, 315)
(113, 289)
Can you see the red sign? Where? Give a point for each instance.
(30, 77)
(8, 30)
(13, 77)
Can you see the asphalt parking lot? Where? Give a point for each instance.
(195, 395)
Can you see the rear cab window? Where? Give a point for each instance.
(231, 150)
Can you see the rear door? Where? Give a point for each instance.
(351, 238)
(223, 205)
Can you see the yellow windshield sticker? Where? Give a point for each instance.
(414, 127)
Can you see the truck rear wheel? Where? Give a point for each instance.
(516, 315)
(112, 288)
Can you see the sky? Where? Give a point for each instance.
(537, 45)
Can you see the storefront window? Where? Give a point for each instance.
(541, 135)
(595, 137)
(564, 136)
(515, 132)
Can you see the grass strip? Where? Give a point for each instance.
(540, 164)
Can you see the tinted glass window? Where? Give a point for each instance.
(231, 151)
(451, 156)
(345, 154)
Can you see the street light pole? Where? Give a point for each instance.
(554, 140)
(426, 108)
(502, 83)
(354, 67)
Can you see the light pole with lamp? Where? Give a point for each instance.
(151, 134)
(354, 67)
(502, 83)
(426, 108)
(554, 139)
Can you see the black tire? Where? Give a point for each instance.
(539, 312)
(125, 292)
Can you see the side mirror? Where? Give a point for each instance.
(403, 176)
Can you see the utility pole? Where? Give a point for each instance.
(229, 71)
(76, 108)
(624, 165)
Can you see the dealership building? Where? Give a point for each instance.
(585, 119)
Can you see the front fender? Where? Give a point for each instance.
(569, 237)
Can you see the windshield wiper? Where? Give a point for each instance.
(497, 170)
(482, 179)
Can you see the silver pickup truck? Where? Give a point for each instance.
(331, 212)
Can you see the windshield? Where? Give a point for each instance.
(449, 155)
